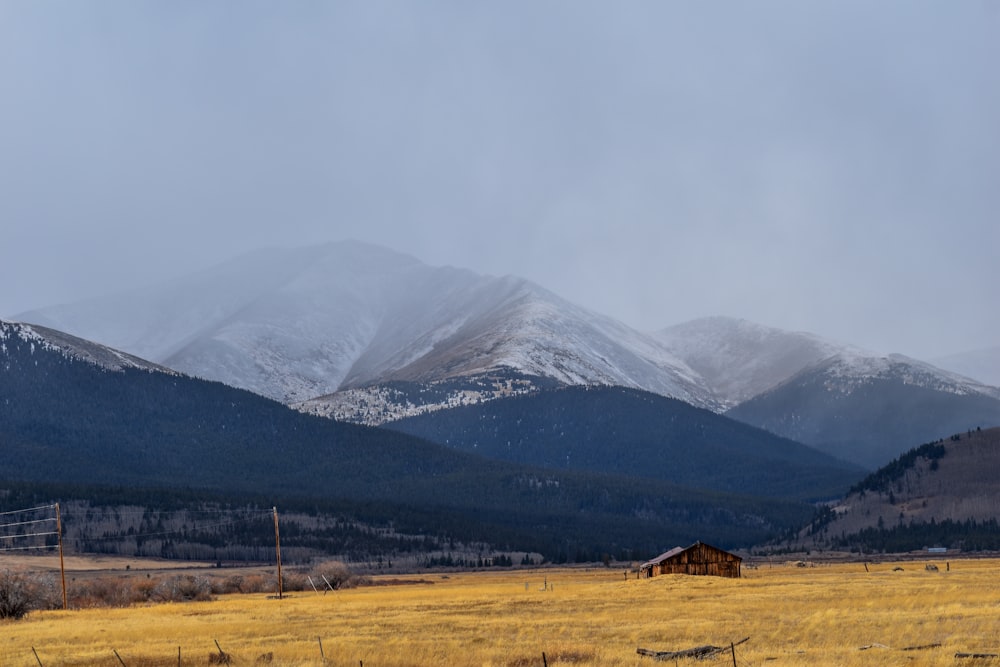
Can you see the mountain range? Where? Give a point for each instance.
(76, 414)
(364, 334)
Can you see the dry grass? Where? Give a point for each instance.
(794, 616)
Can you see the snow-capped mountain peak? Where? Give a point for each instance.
(32, 337)
(306, 322)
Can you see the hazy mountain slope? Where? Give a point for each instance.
(295, 324)
(636, 433)
(868, 410)
(155, 322)
(939, 494)
(983, 365)
(283, 323)
(65, 419)
(739, 359)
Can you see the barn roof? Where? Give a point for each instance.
(679, 550)
(664, 556)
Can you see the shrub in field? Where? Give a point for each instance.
(21, 593)
(183, 589)
(336, 573)
(110, 591)
(143, 589)
(45, 591)
(228, 585)
(254, 583)
(292, 580)
(103, 592)
(15, 595)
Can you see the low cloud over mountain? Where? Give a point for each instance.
(361, 333)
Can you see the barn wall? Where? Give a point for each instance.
(700, 559)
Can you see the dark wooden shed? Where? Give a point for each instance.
(699, 559)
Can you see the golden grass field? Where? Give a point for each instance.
(819, 615)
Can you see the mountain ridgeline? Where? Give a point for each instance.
(635, 433)
(364, 334)
(69, 421)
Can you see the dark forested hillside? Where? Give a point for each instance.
(942, 493)
(67, 421)
(630, 432)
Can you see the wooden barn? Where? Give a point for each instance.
(699, 558)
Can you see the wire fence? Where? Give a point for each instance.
(38, 528)
(31, 529)
(214, 532)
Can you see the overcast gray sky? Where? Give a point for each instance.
(831, 167)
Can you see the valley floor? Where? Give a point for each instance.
(826, 613)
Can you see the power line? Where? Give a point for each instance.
(21, 524)
(32, 509)
(5, 549)
(26, 523)
(15, 530)
(14, 537)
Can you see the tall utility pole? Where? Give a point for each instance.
(62, 564)
(277, 551)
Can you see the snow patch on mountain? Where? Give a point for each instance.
(846, 372)
(379, 404)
